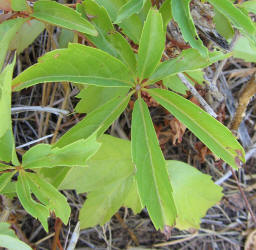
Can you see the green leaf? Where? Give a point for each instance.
(7, 144)
(53, 200)
(181, 14)
(109, 179)
(123, 50)
(19, 5)
(245, 50)
(188, 60)
(223, 25)
(101, 206)
(152, 178)
(66, 36)
(93, 97)
(112, 7)
(74, 154)
(9, 240)
(26, 34)
(34, 208)
(95, 122)
(101, 169)
(131, 26)
(250, 6)
(79, 64)
(128, 9)
(174, 82)
(12, 243)
(151, 44)
(109, 40)
(8, 30)
(190, 188)
(5, 178)
(5, 229)
(166, 12)
(211, 132)
(240, 20)
(60, 15)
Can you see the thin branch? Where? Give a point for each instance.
(55, 111)
(35, 141)
(201, 100)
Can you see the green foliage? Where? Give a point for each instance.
(180, 9)
(151, 174)
(58, 14)
(9, 240)
(114, 172)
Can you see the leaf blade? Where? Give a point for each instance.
(95, 122)
(215, 135)
(181, 14)
(63, 16)
(79, 64)
(151, 44)
(152, 178)
(204, 192)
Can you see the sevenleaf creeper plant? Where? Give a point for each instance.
(115, 172)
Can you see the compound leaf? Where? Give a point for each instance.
(151, 44)
(193, 192)
(79, 64)
(181, 14)
(215, 135)
(60, 15)
(151, 176)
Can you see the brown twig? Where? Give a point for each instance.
(248, 92)
(56, 240)
(131, 233)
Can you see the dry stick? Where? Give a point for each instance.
(244, 99)
(191, 88)
(248, 92)
(63, 106)
(176, 241)
(56, 240)
(42, 114)
(46, 123)
(131, 233)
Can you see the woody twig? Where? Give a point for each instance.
(248, 92)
